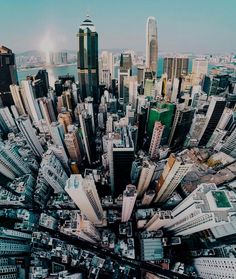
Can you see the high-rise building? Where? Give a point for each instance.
(229, 144)
(125, 71)
(8, 74)
(129, 198)
(47, 110)
(52, 171)
(81, 228)
(72, 143)
(158, 220)
(11, 163)
(106, 71)
(87, 62)
(199, 69)
(181, 125)
(145, 177)
(213, 116)
(175, 67)
(121, 155)
(17, 98)
(174, 171)
(28, 132)
(214, 267)
(206, 207)
(65, 119)
(151, 44)
(156, 140)
(164, 113)
(84, 194)
(29, 97)
(86, 124)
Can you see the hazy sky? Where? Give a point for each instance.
(198, 26)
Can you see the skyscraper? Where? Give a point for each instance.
(175, 67)
(124, 71)
(87, 62)
(129, 198)
(156, 140)
(174, 171)
(28, 132)
(151, 44)
(206, 207)
(84, 194)
(213, 116)
(8, 74)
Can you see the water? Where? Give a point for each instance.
(54, 72)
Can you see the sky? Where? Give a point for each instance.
(198, 26)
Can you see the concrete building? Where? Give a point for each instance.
(84, 194)
(28, 132)
(159, 219)
(129, 198)
(145, 177)
(156, 140)
(174, 171)
(205, 208)
(215, 268)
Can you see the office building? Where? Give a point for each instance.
(124, 71)
(181, 125)
(120, 157)
(156, 140)
(199, 69)
(87, 63)
(86, 124)
(205, 208)
(164, 113)
(229, 145)
(151, 44)
(28, 132)
(8, 75)
(214, 113)
(84, 194)
(174, 171)
(106, 68)
(175, 67)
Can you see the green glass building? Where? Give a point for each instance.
(164, 112)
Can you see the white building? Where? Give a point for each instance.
(28, 132)
(84, 194)
(151, 44)
(174, 171)
(145, 177)
(205, 208)
(129, 198)
(215, 268)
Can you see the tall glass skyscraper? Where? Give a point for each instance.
(87, 60)
(151, 44)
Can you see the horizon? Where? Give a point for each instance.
(206, 31)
